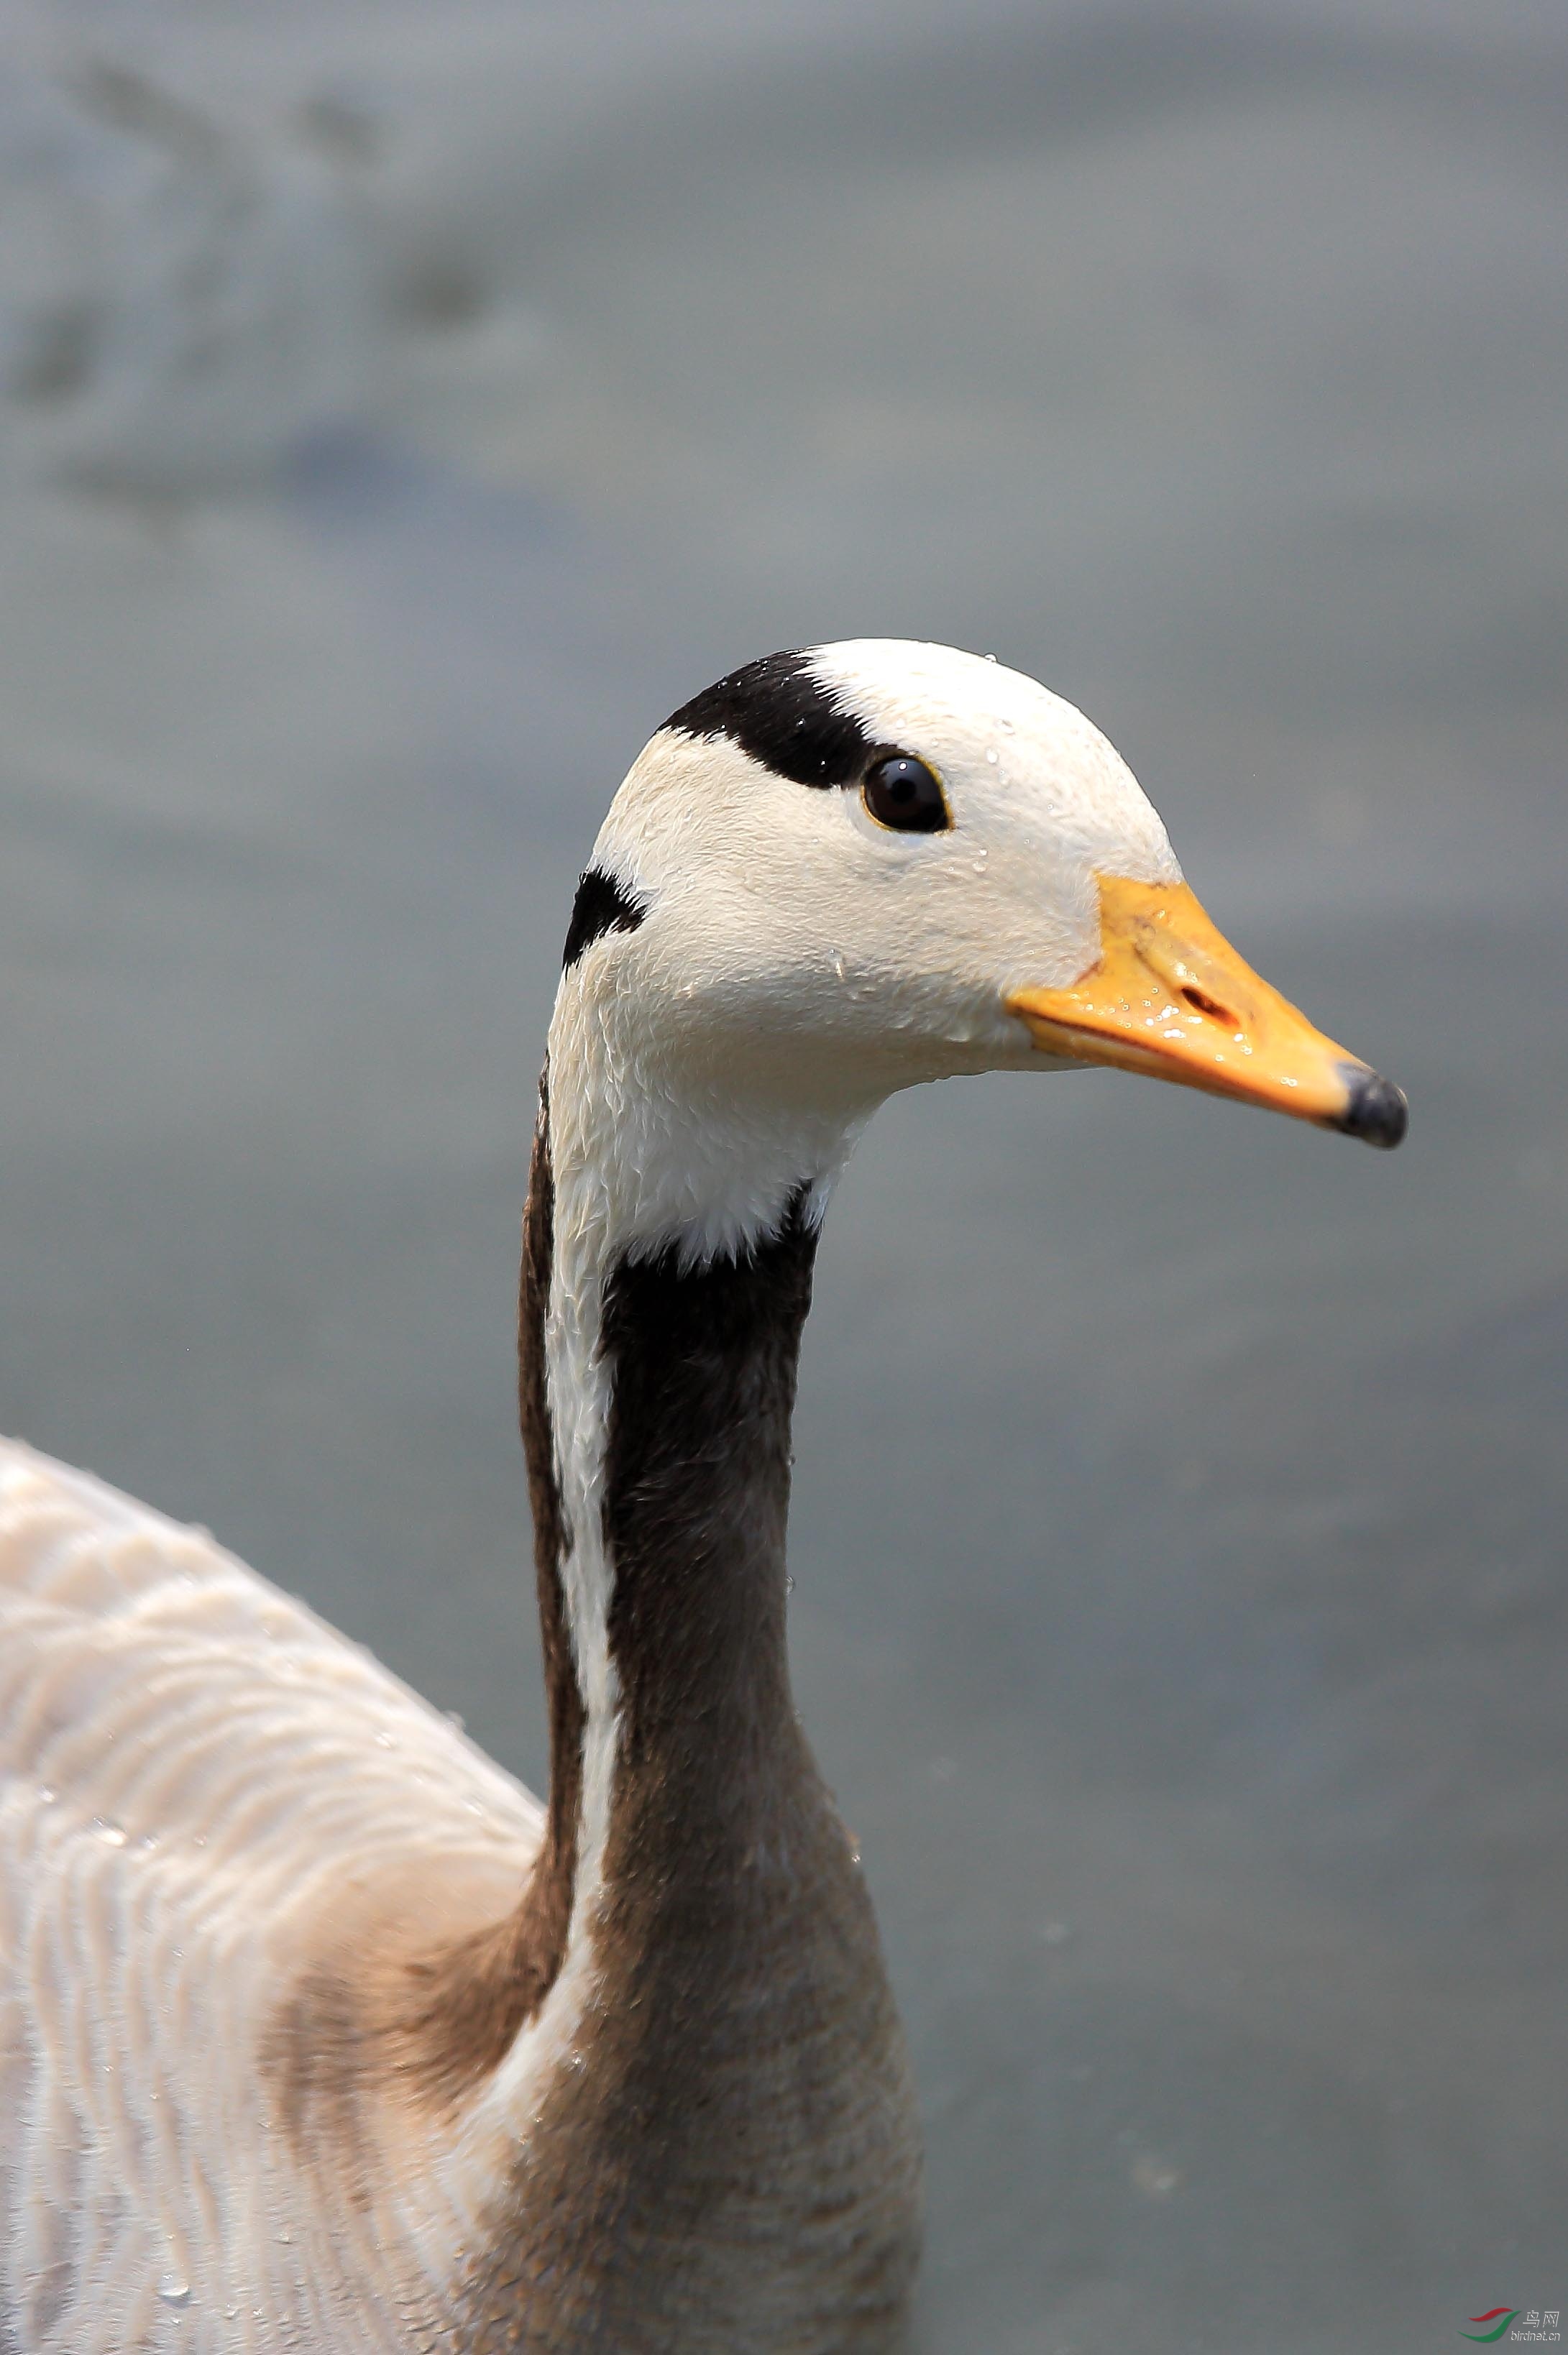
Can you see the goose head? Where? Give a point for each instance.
(844, 872)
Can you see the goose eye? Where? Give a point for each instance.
(902, 793)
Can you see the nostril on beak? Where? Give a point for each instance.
(1377, 1111)
(1203, 1004)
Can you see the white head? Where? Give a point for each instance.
(840, 872)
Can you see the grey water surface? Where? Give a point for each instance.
(400, 410)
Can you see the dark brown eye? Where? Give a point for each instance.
(902, 793)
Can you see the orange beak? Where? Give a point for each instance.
(1170, 996)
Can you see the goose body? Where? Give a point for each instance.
(203, 1781)
(315, 2029)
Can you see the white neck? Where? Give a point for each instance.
(638, 1167)
(640, 1164)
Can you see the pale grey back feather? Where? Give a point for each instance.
(195, 1771)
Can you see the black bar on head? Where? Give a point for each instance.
(601, 906)
(777, 710)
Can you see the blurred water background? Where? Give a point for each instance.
(400, 410)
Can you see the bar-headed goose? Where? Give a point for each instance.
(317, 2031)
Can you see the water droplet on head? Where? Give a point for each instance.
(45, 1797)
(385, 1742)
(991, 755)
(474, 1807)
(110, 1834)
(174, 2291)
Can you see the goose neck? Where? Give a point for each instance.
(658, 1381)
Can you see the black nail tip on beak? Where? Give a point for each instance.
(1377, 1111)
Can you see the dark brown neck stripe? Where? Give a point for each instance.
(547, 1908)
(728, 2157)
(702, 1365)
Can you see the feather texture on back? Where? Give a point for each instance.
(198, 1779)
